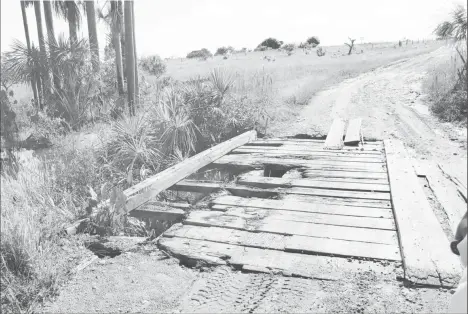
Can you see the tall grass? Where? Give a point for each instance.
(32, 262)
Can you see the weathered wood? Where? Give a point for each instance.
(156, 212)
(458, 179)
(303, 151)
(281, 145)
(298, 244)
(335, 135)
(309, 142)
(239, 190)
(271, 182)
(425, 248)
(353, 133)
(152, 186)
(347, 180)
(337, 201)
(310, 173)
(316, 218)
(300, 206)
(445, 191)
(249, 222)
(307, 266)
(249, 162)
(301, 244)
(305, 156)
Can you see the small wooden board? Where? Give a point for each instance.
(425, 249)
(335, 135)
(353, 133)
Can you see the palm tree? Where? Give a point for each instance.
(70, 11)
(122, 36)
(51, 40)
(44, 73)
(130, 58)
(137, 90)
(93, 40)
(25, 4)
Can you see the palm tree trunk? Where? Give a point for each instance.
(122, 37)
(130, 58)
(28, 43)
(116, 30)
(52, 42)
(71, 18)
(137, 89)
(92, 32)
(44, 73)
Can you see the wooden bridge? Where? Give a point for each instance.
(306, 207)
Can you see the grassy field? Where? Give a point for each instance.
(291, 81)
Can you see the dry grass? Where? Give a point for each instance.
(448, 103)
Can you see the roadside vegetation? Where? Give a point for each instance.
(447, 84)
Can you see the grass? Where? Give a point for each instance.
(448, 102)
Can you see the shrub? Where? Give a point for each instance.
(320, 52)
(314, 41)
(154, 65)
(272, 43)
(289, 48)
(221, 51)
(200, 54)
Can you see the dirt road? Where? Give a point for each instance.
(392, 104)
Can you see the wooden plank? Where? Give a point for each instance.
(294, 264)
(337, 201)
(239, 190)
(249, 162)
(316, 218)
(349, 180)
(425, 248)
(271, 182)
(311, 141)
(351, 150)
(305, 156)
(353, 133)
(153, 212)
(311, 173)
(298, 244)
(249, 222)
(303, 244)
(152, 186)
(445, 191)
(300, 206)
(335, 135)
(458, 179)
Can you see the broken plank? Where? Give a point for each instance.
(301, 206)
(316, 218)
(249, 222)
(301, 244)
(353, 133)
(307, 266)
(257, 162)
(425, 249)
(446, 193)
(154, 212)
(298, 244)
(317, 173)
(305, 156)
(152, 186)
(271, 182)
(335, 135)
(208, 187)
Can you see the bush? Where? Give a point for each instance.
(221, 51)
(200, 54)
(314, 41)
(289, 48)
(271, 43)
(154, 65)
(320, 52)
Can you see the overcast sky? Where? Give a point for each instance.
(175, 27)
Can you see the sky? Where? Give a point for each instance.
(172, 28)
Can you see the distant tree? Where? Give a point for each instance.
(314, 41)
(200, 54)
(221, 51)
(289, 48)
(350, 45)
(272, 43)
(154, 65)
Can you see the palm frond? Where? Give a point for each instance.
(21, 63)
(222, 82)
(456, 28)
(62, 8)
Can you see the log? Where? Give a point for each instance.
(152, 186)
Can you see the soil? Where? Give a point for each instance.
(392, 104)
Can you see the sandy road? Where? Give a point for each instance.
(392, 103)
